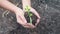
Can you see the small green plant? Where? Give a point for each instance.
(27, 9)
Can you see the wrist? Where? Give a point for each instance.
(26, 3)
(19, 11)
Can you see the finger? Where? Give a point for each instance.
(21, 15)
(35, 12)
(29, 25)
(37, 22)
(23, 19)
(19, 20)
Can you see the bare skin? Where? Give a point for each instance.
(19, 12)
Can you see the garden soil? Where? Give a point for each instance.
(49, 11)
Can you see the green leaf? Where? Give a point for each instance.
(27, 8)
(30, 15)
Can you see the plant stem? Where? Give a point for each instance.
(30, 17)
(30, 20)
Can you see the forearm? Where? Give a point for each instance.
(26, 3)
(8, 5)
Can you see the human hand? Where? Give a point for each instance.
(21, 19)
(35, 13)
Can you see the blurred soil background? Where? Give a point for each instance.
(49, 11)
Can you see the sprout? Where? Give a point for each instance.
(27, 9)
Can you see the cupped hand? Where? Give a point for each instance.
(21, 19)
(35, 13)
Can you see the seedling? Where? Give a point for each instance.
(27, 9)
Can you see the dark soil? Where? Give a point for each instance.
(49, 11)
(34, 18)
